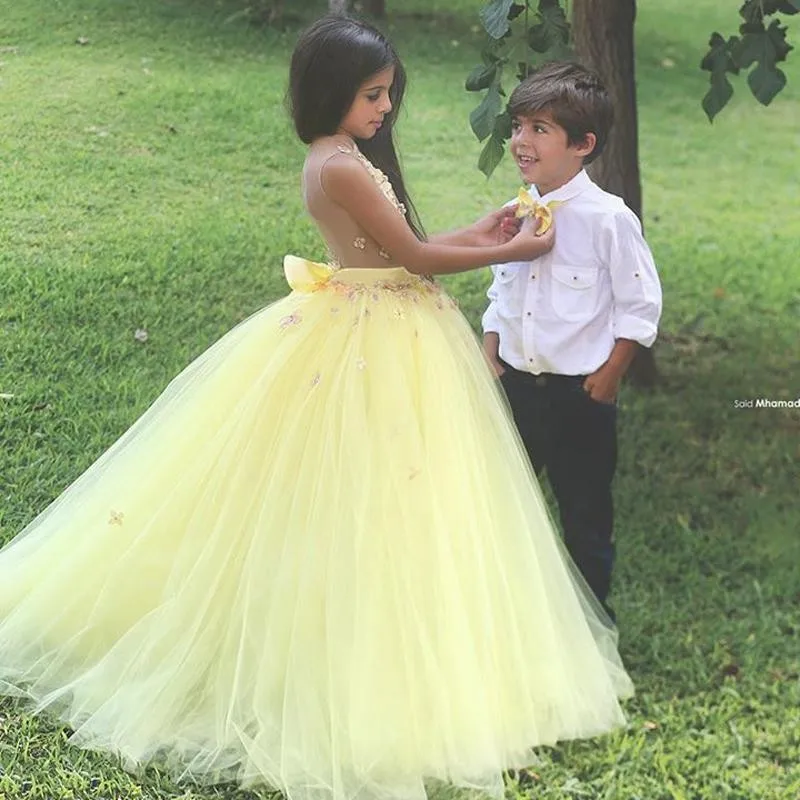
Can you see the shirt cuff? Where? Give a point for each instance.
(635, 328)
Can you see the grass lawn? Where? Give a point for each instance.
(150, 182)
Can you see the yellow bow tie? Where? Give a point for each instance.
(528, 207)
(306, 276)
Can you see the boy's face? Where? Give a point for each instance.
(544, 156)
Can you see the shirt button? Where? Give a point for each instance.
(502, 274)
(528, 313)
(533, 277)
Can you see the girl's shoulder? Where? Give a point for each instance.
(337, 167)
(334, 154)
(327, 146)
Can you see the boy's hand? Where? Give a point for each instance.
(603, 385)
(491, 348)
(498, 369)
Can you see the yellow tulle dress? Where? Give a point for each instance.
(319, 562)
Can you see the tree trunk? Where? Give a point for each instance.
(377, 8)
(603, 34)
(337, 6)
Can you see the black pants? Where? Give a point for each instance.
(574, 440)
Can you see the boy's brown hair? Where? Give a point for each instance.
(573, 95)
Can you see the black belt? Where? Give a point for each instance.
(546, 378)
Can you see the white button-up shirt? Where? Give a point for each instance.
(562, 312)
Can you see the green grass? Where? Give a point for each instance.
(150, 181)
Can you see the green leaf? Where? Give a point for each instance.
(555, 20)
(718, 58)
(777, 35)
(718, 62)
(502, 125)
(765, 82)
(717, 96)
(518, 8)
(523, 70)
(537, 39)
(481, 77)
(561, 52)
(494, 16)
(751, 12)
(493, 53)
(750, 48)
(552, 30)
(493, 150)
(482, 118)
(765, 48)
(491, 155)
(780, 6)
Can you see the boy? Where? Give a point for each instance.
(562, 330)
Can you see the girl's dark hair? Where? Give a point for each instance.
(331, 61)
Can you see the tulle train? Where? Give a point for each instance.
(319, 561)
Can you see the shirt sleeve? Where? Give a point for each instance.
(634, 280)
(489, 321)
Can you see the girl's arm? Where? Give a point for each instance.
(348, 183)
(463, 237)
(498, 227)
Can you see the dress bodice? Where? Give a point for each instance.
(349, 245)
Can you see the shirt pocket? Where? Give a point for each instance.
(574, 291)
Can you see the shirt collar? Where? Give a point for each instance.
(570, 189)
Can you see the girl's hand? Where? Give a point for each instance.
(496, 228)
(527, 244)
(510, 224)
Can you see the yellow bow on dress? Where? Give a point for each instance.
(528, 207)
(306, 276)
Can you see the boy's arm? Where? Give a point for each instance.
(637, 301)
(491, 335)
(491, 347)
(634, 281)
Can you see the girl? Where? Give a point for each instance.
(320, 561)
